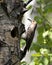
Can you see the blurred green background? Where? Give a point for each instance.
(43, 46)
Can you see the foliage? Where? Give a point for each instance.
(43, 46)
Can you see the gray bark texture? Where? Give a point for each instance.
(11, 13)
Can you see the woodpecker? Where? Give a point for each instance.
(28, 37)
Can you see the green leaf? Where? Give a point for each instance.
(50, 35)
(23, 63)
(50, 58)
(40, 39)
(36, 55)
(25, 0)
(50, 55)
(46, 61)
(48, 26)
(40, 1)
(40, 29)
(45, 34)
(44, 51)
(47, 1)
(40, 64)
(35, 47)
(22, 42)
(29, 7)
(32, 63)
(48, 8)
(38, 19)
